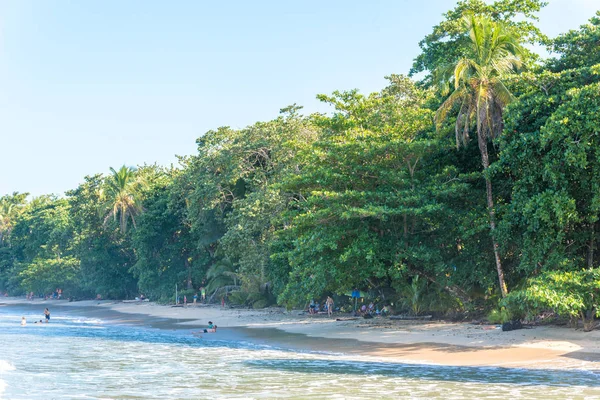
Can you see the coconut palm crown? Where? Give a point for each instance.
(121, 196)
(479, 92)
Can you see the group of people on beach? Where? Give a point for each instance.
(195, 298)
(56, 295)
(46, 316)
(315, 308)
(365, 310)
(372, 310)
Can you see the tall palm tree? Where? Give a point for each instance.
(481, 96)
(6, 212)
(122, 196)
(10, 207)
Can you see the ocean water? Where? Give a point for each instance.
(75, 357)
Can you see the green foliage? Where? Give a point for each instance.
(45, 275)
(499, 316)
(373, 196)
(250, 299)
(372, 203)
(414, 296)
(575, 294)
(493, 51)
(10, 208)
(121, 196)
(448, 41)
(104, 252)
(577, 48)
(553, 161)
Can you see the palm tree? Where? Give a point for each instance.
(10, 207)
(6, 212)
(121, 196)
(481, 96)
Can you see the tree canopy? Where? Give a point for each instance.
(387, 194)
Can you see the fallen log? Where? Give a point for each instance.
(411, 317)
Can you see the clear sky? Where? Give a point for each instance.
(85, 85)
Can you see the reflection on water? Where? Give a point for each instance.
(532, 377)
(73, 357)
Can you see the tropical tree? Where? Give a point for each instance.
(121, 196)
(9, 209)
(448, 40)
(106, 256)
(6, 212)
(481, 96)
(577, 48)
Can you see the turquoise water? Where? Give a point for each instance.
(75, 357)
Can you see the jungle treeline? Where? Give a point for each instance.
(471, 183)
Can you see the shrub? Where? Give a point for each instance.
(575, 294)
(499, 316)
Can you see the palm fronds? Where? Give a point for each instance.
(121, 196)
(477, 79)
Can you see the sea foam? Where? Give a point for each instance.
(6, 366)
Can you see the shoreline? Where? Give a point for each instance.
(436, 342)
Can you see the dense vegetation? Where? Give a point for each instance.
(388, 194)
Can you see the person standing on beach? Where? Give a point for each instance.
(195, 298)
(47, 314)
(329, 304)
(203, 294)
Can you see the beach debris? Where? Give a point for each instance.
(412, 317)
(512, 325)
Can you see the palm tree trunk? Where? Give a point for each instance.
(590, 257)
(189, 271)
(490, 204)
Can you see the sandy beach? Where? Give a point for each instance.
(443, 343)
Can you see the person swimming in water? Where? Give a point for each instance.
(212, 328)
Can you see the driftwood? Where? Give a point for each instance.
(411, 317)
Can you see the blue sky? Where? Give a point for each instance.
(85, 85)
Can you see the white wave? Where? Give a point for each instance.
(6, 366)
(94, 321)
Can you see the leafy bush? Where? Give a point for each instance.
(238, 297)
(249, 299)
(575, 294)
(499, 316)
(420, 296)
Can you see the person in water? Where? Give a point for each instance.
(23, 321)
(212, 328)
(47, 314)
(39, 322)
